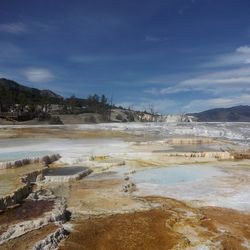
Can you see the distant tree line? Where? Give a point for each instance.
(92, 104)
(38, 103)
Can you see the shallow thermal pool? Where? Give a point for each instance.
(176, 174)
(195, 148)
(201, 184)
(64, 171)
(18, 155)
(71, 150)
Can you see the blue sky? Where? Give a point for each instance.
(175, 55)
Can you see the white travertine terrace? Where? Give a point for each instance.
(117, 162)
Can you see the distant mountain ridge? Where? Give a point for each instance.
(11, 91)
(234, 114)
(19, 103)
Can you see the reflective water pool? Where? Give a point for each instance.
(64, 171)
(176, 174)
(71, 150)
(194, 148)
(18, 155)
(202, 184)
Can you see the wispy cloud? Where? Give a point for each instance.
(234, 78)
(238, 57)
(13, 28)
(104, 58)
(233, 74)
(222, 102)
(38, 75)
(19, 28)
(155, 39)
(216, 82)
(244, 49)
(45, 26)
(168, 90)
(90, 58)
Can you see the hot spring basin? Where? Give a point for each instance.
(64, 171)
(193, 148)
(203, 185)
(176, 174)
(64, 174)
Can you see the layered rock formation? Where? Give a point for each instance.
(46, 160)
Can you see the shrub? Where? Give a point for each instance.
(55, 120)
(119, 117)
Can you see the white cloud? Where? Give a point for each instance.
(233, 78)
(221, 102)
(228, 60)
(13, 28)
(243, 49)
(234, 75)
(168, 90)
(239, 57)
(226, 85)
(38, 75)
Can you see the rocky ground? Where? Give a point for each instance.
(172, 225)
(106, 210)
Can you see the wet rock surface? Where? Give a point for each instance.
(129, 187)
(41, 208)
(52, 240)
(27, 210)
(172, 225)
(30, 239)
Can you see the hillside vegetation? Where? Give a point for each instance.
(20, 103)
(233, 114)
